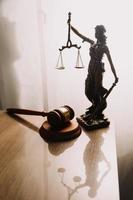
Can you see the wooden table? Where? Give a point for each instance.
(31, 169)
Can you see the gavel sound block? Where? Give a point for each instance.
(70, 131)
(59, 126)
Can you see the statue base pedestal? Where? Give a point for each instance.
(71, 131)
(93, 124)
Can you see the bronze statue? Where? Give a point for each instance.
(94, 89)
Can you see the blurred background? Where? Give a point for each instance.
(32, 31)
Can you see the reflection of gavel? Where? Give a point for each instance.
(56, 118)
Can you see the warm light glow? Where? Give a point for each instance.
(68, 85)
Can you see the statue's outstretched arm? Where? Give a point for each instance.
(82, 36)
(111, 63)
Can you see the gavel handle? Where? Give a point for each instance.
(26, 112)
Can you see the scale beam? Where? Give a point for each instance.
(69, 42)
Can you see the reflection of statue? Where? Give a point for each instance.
(94, 89)
(70, 190)
(93, 155)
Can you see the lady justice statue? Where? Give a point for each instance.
(94, 90)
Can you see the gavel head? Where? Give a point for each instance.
(58, 118)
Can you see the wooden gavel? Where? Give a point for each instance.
(57, 118)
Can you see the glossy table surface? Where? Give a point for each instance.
(31, 169)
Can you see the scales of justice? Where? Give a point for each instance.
(93, 118)
(79, 61)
